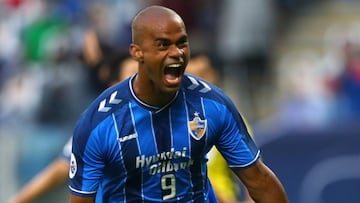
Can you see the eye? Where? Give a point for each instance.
(162, 44)
(183, 42)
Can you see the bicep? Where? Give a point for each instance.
(254, 175)
(262, 183)
(77, 199)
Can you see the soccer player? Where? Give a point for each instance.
(146, 139)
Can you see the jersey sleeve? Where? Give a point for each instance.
(235, 143)
(86, 163)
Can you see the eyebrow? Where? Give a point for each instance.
(161, 39)
(182, 38)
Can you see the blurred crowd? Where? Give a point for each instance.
(49, 72)
(42, 58)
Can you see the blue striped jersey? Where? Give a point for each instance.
(128, 151)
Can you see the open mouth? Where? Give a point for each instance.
(173, 73)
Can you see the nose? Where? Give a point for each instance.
(175, 51)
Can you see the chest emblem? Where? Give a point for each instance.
(197, 126)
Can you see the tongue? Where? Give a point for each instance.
(171, 78)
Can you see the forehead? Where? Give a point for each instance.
(166, 27)
(160, 25)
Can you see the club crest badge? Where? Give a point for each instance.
(197, 126)
(73, 166)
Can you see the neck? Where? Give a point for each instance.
(151, 95)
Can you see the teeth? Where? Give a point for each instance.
(174, 65)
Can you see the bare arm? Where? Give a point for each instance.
(55, 174)
(77, 199)
(91, 48)
(262, 184)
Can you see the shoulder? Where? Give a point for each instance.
(193, 85)
(104, 105)
(213, 96)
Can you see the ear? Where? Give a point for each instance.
(136, 52)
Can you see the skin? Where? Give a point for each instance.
(155, 47)
(262, 184)
(159, 40)
(55, 174)
(202, 67)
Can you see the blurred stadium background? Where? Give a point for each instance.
(291, 66)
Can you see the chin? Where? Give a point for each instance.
(171, 89)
